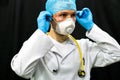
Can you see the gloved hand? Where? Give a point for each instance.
(43, 21)
(84, 18)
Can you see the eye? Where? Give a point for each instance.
(63, 15)
(73, 15)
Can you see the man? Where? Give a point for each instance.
(51, 53)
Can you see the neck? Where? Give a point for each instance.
(57, 37)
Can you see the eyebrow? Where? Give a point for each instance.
(65, 12)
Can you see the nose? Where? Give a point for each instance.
(69, 16)
(72, 17)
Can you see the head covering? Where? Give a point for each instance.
(54, 6)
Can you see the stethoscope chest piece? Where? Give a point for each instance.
(81, 74)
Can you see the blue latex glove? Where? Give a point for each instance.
(43, 21)
(84, 18)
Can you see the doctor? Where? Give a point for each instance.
(51, 53)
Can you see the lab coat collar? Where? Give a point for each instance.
(70, 46)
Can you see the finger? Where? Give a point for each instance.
(86, 11)
(79, 13)
(48, 16)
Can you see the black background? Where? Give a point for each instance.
(18, 22)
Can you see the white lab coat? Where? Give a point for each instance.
(43, 58)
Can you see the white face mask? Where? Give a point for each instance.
(65, 27)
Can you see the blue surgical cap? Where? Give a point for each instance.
(54, 6)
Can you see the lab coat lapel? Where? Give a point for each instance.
(56, 51)
(69, 47)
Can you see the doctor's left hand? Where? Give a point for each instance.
(43, 21)
(85, 18)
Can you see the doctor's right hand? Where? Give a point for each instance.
(85, 18)
(43, 21)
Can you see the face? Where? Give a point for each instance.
(64, 14)
(61, 17)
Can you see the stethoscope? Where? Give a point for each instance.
(55, 70)
(81, 71)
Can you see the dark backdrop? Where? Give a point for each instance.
(18, 22)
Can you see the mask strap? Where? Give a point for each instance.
(54, 20)
(81, 71)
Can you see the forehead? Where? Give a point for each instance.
(66, 11)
